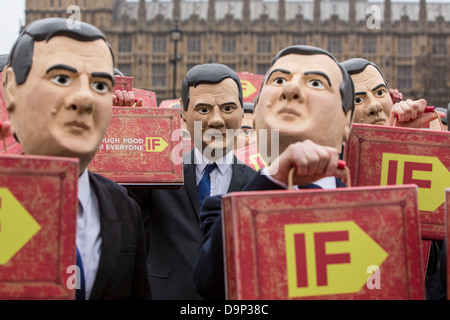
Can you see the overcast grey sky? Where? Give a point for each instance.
(12, 15)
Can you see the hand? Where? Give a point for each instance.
(411, 114)
(396, 95)
(312, 162)
(126, 99)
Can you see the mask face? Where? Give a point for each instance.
(64, 107)
(301, 98)
(247, 135)
(373, 103)
(215, 108)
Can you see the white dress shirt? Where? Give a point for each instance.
(89, 241)
(324, 183)
(220, 176)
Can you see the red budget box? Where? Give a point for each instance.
(142, 148)
(381, 155)
(38, 201)
(350, 243)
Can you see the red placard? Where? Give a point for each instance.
(447, 213)
(251, 84)
(349, 243)
(381, 155)
(123, 83)
(251, 157)
(142, 148)
(38, 199)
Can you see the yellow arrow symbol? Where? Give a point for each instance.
(17, 226)
(156, 144)
(329, 258)
(428, 173)
(247, 88)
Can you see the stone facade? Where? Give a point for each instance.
(410, 41)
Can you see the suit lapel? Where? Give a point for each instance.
(190, 181)
(111, 238)
(238, 177)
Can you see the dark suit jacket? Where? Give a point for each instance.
(209, 269)
(173, 227)
(122, 272)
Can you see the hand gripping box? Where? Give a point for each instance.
(38, 212)
(348, 243)
(126, 83)
(381, 155)
(142, 148)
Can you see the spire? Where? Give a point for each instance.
(282, 11)
(352, 11)
(316, 11)
(211, 12)
(387, 11)
(142, 11)
(246, 13)
(423, 12)
(176, 13)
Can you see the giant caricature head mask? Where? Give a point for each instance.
(306, 94)
(58, 89)
(373, 103)
(212, 96)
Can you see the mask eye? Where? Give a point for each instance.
(316, 84)
(62, 80)
(358, 100)
(380, 93)
(100, 87)
(203, 111)
(279, 81)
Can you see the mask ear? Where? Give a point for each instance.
(182, 111)
(348, 126)
(9, 87)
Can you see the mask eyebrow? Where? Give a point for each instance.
(103, 75)
(277, 70)
(61, 67)
(320, 73)
(360, 93)
(379, 86)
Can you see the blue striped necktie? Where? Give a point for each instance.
(204, 186)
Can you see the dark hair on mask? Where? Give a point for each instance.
(209, 73)
(21, 56)
(346, 89)
(358, 65)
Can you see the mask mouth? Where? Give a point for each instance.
(287, 110)
(77, 124)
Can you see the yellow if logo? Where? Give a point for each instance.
(428, 173)
(156, 145)
(247, 88)
(329, 258)
(17, 226)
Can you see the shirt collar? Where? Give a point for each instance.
(223, 164)
(327, 183)
(84, 189)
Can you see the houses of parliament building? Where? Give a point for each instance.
(157, 41)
